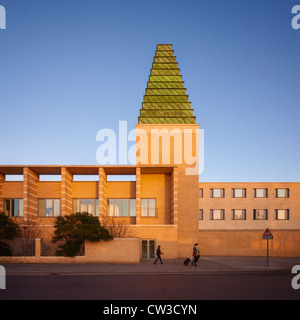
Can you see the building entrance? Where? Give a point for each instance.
(148, 249)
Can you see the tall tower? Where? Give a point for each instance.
(167, 134)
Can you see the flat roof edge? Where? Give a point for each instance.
(85, 169)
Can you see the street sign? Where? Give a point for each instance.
(267, 234)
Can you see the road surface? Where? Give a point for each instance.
(224, 286)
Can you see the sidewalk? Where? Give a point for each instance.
(205, 265)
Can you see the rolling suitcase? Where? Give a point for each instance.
(187, 261)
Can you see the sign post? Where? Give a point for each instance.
(267, 235)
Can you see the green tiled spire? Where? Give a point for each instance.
(165, 100)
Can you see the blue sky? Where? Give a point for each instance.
(70, 68)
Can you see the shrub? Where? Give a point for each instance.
(8, 230)
(74, 229)
(5, 250)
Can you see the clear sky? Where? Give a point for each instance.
(69, 68)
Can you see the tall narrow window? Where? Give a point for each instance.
(83, 205)
(110, 207)
(91, 205)
(56, 207)
(42, 208)
(132, 210)
(200, 193)
(49, 208)
(125, 207)
(118, 207)
(200, 214)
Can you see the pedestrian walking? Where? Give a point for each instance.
(158, 254)
(196, 254)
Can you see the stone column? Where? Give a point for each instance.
(138, 196)
(66, 191)
(174, 196)
(30, 202)
(38, 248)
(102, 193)
(2, 179)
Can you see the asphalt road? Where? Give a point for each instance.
(226, 286)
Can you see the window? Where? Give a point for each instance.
(217, 193)
(217, 214)
(132, 204)
(282, 214)
(282, 193)
(121, 207)
(238, 214)
(200, 193)
(260, 214)
(48, 207)
(260, 193)
(200, 214)
(148, 207)
(86, 205)
(13, 207)
(238, 193)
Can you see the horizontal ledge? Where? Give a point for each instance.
(154, 226)
(81, 169)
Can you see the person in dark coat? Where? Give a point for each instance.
(158, 254)
(196, 254)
